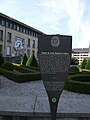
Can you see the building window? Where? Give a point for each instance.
(20, 29)
(0, 48)
(14, 27)
(28, 45)
(11, 25)
(33, 45)
(1, 35)
(3, 22)
(23, 42)
(17, 28)
(8, 37)
(28, 53)
(24, 30)
(8, 50)
(7, 24)
(29, 32)
(33, 52)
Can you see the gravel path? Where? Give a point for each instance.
(10, 88)
(32, 97)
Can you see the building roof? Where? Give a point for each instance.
(79, 50)
(18, 22)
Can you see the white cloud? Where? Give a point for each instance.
(72, 9)
(53, 16)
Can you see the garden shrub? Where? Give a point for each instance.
(73, 69)
(83, 64)
(78, 87)
(1, 60)
(22, 69)
(31, 68)
(76, 83)
(20, 78)
(24, 60)
(74, 61)
(32, 61)
(83, 78)
(7, 66)
(88, 64)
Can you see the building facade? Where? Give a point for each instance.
(81, 54)
(17, 38)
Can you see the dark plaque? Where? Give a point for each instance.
(54, 58)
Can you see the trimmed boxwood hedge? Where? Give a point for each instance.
(83, 78)
(22, 77)
(23, 69)
(77, 86)
(7, 66)
(73, 69)
(31, 67)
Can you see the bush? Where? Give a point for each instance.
(88, 65)
(77, 84)
(78, 87)
(7, 66)
(22, 69)
(31, 68)
(74, 61)
(83, 64)
(24, 60)
(32, 61)
(73, 69)
(20, 78)
(83, 78)
(1, 60)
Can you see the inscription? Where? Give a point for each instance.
(54, 85)
(54, 63)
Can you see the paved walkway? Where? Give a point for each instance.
(30, 99)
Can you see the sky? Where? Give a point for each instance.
(64, 17)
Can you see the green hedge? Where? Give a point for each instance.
(83, 78)
(31, 67)
(73, 69)
(24, 60)
(22, 77)
(7, 66)
(23, 69)
(77, 86)
(88, 64)
(32, 61)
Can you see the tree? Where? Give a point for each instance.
(83, 64)
(24, 60)
(88, 64)
(74, 61)
(1, 60)
(32, 61)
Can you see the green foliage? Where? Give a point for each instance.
(74, 61)
(24, 60)
(20, 78)
(88, 64)
(76, 83)
(83, 64)
(32, 61)
(7, 66)
(83, 78)
(31, 68)
(73, 69)
(1, 60)
(22, 69)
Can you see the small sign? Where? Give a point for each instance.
(54, 58)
